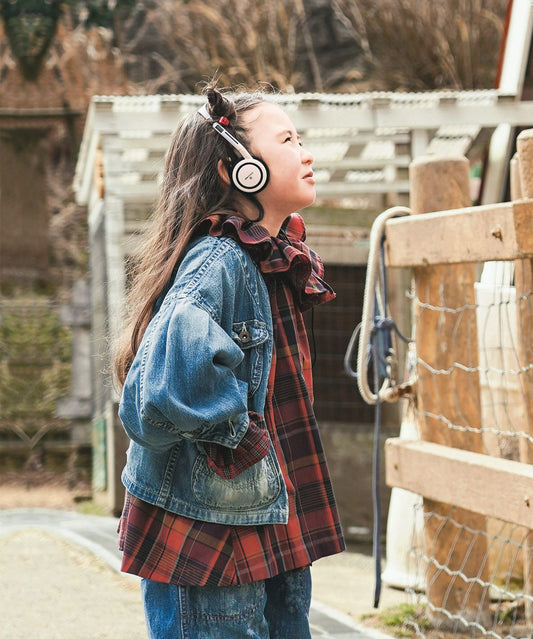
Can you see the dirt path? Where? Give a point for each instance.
(49, 589)
(40, 490)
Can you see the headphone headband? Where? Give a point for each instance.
(249, 175)
(224, 133)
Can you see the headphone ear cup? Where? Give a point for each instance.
(249, 175)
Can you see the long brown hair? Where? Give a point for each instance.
(191, 191)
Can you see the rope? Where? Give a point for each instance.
(374, 318)
(374, 337)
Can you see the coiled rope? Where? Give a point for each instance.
(373, 336)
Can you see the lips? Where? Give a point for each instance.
(309, 178)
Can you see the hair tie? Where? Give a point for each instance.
(223, 120)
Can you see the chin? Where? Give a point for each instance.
(310, 201)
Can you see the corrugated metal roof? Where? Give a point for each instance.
(424, 98)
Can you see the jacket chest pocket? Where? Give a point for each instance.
(252, 337)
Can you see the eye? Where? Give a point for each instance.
(291, 138)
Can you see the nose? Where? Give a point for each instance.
(307, 156)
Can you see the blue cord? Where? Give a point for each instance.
(376, 497)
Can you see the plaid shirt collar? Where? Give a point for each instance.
(284, 254)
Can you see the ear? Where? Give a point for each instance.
(223, 172)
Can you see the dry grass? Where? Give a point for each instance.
(243, 41)
(421, 44)
(173, 46)
(397, 44)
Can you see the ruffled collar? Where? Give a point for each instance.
(286, 254)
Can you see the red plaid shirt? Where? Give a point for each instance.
(163, 546)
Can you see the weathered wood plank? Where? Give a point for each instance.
(117, 164)
(472, 234)
(522, 186)
(490, 486)
(512, 112)
(147, 191)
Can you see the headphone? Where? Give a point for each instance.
(248, 175)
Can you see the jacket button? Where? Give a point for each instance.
(244, 335)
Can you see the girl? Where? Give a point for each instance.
(228, 496)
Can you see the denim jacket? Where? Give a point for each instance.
(202, 366)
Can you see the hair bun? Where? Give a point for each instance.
(219, 106)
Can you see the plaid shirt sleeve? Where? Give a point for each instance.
(227, 462)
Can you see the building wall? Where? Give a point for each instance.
(24, 250)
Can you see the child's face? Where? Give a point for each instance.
(291, 186)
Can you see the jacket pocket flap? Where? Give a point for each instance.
(249, 333)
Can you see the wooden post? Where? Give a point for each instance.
(444, 338)
(524, 288)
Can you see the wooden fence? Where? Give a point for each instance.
(451, 465)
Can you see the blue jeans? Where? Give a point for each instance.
(276, 608)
